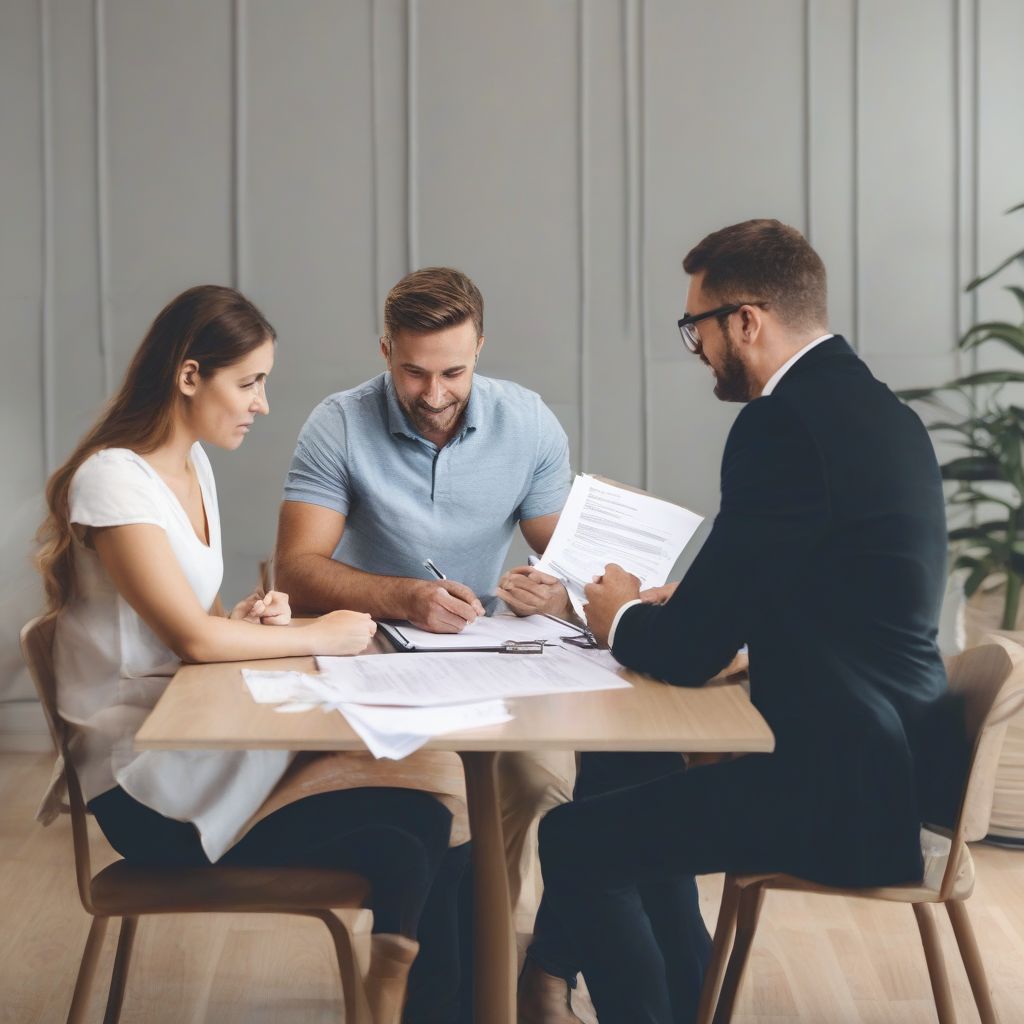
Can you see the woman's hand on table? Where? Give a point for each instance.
(341, 632)
(270, 609)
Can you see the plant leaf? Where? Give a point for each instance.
(981, 531)
(972, 467)
(994, 330)
(979, 574)
(986, 377)
(992, 273)
(1017, 291)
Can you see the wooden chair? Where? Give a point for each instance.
(993, 687)
(373, 970)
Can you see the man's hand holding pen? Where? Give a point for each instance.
(441, 605)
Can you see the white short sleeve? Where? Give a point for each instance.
(111, 489)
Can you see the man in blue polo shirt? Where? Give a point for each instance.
(426, 461)
(431, 461)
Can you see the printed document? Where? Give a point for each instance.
(602, 523)
(458, 678)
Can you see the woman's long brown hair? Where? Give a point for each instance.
(215, 326)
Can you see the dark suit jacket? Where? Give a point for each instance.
(828, 558)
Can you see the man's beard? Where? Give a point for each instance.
(732, 384)
(427, 422)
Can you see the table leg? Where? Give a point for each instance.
(494, 939)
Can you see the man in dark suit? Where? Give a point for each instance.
(828, 559)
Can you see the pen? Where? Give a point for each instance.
(430, 567)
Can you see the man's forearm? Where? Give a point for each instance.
(317, 584)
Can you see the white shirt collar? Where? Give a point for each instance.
(773, 380)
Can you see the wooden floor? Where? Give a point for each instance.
(816, 959)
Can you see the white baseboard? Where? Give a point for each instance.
(23, 727)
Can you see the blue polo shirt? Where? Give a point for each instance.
(404, 499)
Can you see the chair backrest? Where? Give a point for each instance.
(990, 678)
(37, 649)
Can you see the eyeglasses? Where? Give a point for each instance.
(688, 325)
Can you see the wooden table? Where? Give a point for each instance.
(209, 707)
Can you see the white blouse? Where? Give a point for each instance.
(112, 668)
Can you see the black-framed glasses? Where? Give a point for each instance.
(688, 325)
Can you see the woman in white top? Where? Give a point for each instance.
(131, 560)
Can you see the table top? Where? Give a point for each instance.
(209, 707)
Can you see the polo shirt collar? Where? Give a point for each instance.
(473, 415)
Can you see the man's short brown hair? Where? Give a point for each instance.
(432, 299)
(763, 260)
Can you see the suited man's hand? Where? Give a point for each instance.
(605, 596)
(658, 595)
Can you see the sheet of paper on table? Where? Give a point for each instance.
(397, 732)
(602, 523)
(434, 679)
(398, 702)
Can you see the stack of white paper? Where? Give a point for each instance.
(412, 680)
(397, 702)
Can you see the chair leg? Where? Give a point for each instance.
(83, 984)
(119, 975)
(357, 1009)
(725, 929)
(936, 965)
(751, 899)
(391, 957)
(971, 957)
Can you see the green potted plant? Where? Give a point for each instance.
(974, 414)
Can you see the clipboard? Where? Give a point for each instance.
(403, 645)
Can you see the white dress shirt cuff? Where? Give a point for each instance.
(618, 615)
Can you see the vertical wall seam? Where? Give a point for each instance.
(807, 126)
(102, 195)
(374, 168)
(635, 316)
(975, 215)
(411, 113)
(583, 112)
(629, 150)
(855, 191)
(958, 176)
(239, 112)
(46, 325)
(645, 346)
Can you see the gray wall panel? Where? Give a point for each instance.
(167, 78)
(79, 382)
(907, 186)
(309, 232)
(390, 111)
(832, 185)
(21, 263)
(1001, 153)
(723, 141)
(612, 384)
(21, 299)
(496, 157)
